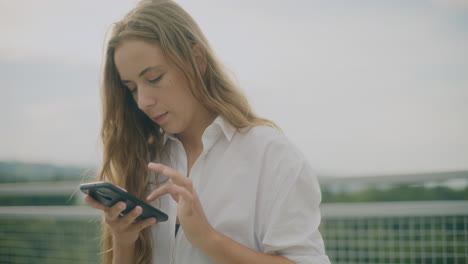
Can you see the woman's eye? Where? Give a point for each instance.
(156, 79)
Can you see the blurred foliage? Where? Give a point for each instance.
(15, 172)
(48, 241)
(348, 240)
(395, 193)
(406, 239)
(36, 200)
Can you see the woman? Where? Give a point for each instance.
(179, 134)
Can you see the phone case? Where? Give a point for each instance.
(108, 194)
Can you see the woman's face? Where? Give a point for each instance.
(158, 87)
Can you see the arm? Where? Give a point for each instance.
(222, 249)
(125, 230)
(197, 229)
(123, 254)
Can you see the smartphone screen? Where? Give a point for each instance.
(108, 194)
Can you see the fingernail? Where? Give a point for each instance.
(122, 206)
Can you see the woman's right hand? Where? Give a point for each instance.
(125, 228)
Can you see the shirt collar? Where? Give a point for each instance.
(226, 127)
(168, 136)
(220, 122)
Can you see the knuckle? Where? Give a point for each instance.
(115, 211)
(108, 220)
(118, 226)
(96, 205)
(119, 206)
(112, 217)
(189, 183)
(173, 188)
(143, 225)
(136, 212)
(117, 229)
(106, 211)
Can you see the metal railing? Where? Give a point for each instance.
(409, 232)
(396, 232)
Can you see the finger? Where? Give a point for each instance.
(112, 213)
(159, 191)
(157, 167)
(163, 169)
(93, 203)
(183, 181)
(121, 188)
(143, 224)
(131, 216)
(178, 191)
(174, 175)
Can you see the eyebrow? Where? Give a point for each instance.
(144, 71)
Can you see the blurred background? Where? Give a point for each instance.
(375, 93)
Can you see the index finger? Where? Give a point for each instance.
(169, 172)
(111, 212)
(159, 168)
(95, 204)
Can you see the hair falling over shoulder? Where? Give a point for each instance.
(131, 139)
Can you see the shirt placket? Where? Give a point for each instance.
(179, 163)
(209, 139)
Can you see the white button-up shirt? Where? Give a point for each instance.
(255, 187)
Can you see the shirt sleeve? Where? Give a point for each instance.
(290, 226)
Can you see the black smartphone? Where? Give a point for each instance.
(109, 194)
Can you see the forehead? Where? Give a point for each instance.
(134, 55)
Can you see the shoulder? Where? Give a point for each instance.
(281, 163)
(272, 143)
(261, 132)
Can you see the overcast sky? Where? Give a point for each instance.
(368, 88)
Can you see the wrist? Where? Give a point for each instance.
(122, 243)
(211, 241)
(123, 251)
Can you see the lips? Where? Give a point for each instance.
(160, 118)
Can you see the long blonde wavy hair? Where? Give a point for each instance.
(131, 139)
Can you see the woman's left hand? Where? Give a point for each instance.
(196, 227)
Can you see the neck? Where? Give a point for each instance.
(192, 138)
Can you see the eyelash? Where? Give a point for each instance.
(151, 81)
(157, 79)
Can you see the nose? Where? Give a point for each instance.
(145, 97)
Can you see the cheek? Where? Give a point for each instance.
(178, 93)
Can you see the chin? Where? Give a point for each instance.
(171, 129)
